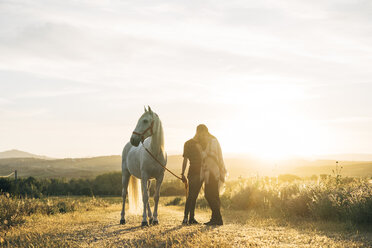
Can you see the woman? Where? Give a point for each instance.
(213, 173)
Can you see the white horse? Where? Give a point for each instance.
(137, 163)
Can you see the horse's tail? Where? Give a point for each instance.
(134, 196)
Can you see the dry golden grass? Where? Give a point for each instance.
(99, 228)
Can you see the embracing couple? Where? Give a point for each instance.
(206, 166)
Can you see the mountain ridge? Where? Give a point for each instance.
(14, 153)
(39, 166)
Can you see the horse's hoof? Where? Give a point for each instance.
(122, 222)
(150, 221)
(155, 222)
(144, 223)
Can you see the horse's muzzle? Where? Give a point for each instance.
(135, 140)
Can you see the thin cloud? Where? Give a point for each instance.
(218, 62)
(47, 94)
(4, 101)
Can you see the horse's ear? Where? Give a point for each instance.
(145, 108)
(149, 109)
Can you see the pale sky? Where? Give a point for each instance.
(269, 78)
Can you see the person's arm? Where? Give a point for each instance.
(183, 170)
(184, 163)
(184, 166)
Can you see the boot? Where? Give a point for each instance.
(184, 222)
(193, 221)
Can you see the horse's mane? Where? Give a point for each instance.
(157, 143)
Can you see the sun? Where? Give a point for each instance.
(267, 125)
(274, 140)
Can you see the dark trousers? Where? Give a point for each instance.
(213, 198)
(194, 189)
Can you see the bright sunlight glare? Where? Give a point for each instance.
(269, 126)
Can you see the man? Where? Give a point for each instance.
(192, 153)
(213, 173)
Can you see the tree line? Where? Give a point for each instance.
(108, 184)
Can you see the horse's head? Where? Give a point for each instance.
(144, 128)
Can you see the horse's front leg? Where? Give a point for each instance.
(145, 200)
(125, 181)
(148, 204)
(156, 200)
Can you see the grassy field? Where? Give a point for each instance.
(284, 211)
(98, 227)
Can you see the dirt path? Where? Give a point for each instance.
(100, 228)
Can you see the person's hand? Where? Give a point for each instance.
(184, 178)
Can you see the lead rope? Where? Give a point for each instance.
(164, 167)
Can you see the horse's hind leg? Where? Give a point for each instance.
(148, 204)
(125, 181)
(156, 199)
(145, 199)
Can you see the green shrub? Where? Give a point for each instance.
(175, 202)
(342, 199)
(202, 203)
(10, 212)
(172, 188)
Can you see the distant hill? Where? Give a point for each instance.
(237, 167)
(67, 168)
(20, 154)
(91, 167)
(72, 167)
